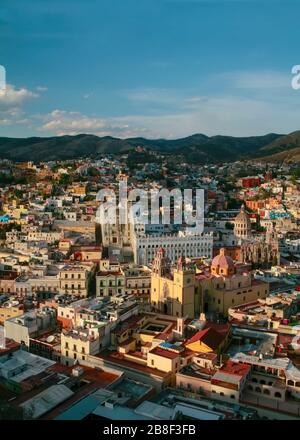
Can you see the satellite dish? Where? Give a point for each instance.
(50, 339)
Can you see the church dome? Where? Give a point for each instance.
(222, 264)
(242, 224)
(242, 215)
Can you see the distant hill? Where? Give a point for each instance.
(288, 156)
(197, 148)
(283, 149)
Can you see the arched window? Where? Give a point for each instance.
(262, 381)
(258, 390)
(290, 382)
(266, 391)
(277, 394)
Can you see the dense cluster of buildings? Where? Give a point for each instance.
(151, 321)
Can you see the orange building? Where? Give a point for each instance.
(233, 252)
(255, 205)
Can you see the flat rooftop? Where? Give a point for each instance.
(30, 364)
(118, 359)
(277, 363)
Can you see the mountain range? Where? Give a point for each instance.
(197, 148)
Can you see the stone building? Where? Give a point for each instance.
(242, 224)
(259, 250)
(185, 291)
(172, 293)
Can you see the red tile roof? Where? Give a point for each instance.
(164, 353)
(223, 329)
(209, 356)
(236, 368)
(209, 336)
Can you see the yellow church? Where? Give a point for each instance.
(183, 291)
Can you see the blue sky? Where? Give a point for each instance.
(152, 68)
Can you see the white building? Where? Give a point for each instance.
(22, 328)
(145, 246)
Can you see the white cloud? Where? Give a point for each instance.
(171, 113)
(12, 116)
(60, 120)
(228, 115)
(5, 122)
(12, 97)
(11, 101)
